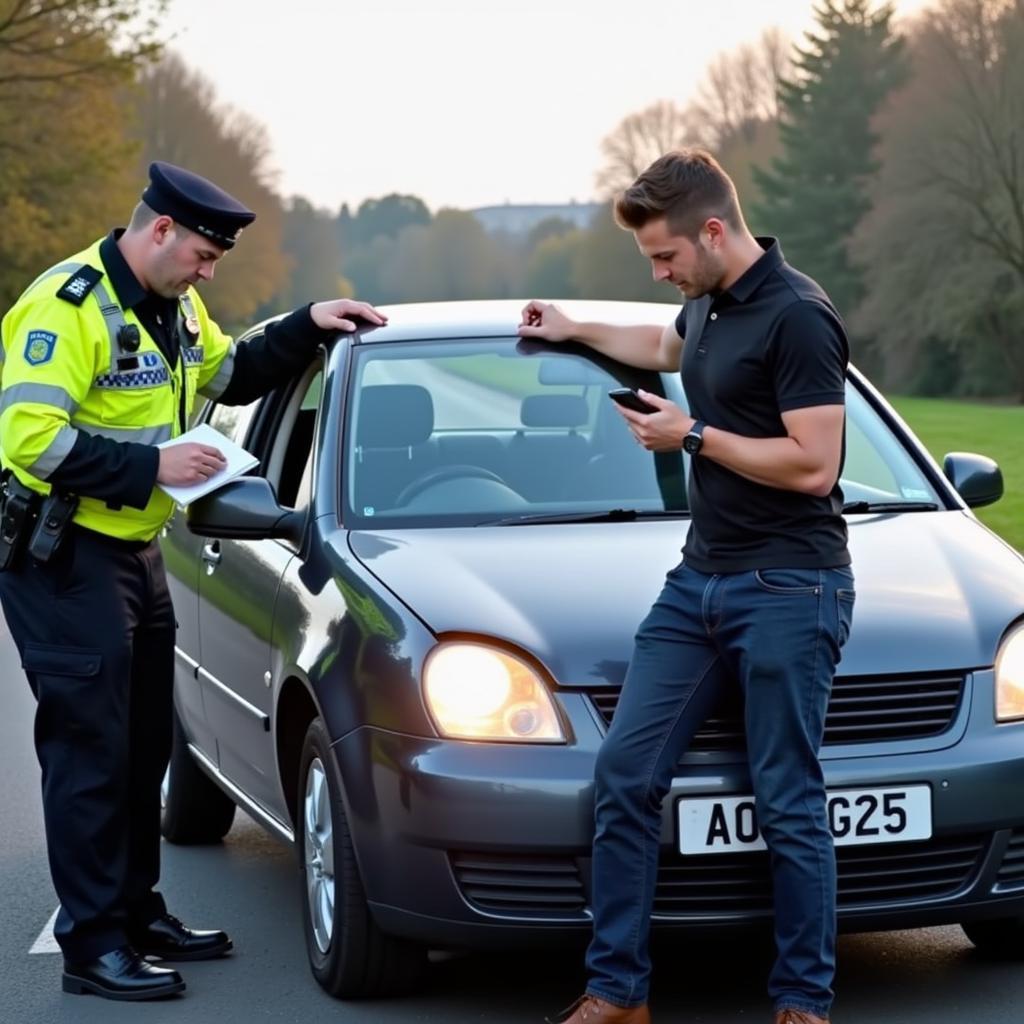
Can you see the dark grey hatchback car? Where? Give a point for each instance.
(403, 637)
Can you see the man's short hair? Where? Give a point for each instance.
(686, 187)
(142, 216)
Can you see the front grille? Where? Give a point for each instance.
(519, 884)
(722, 886)
(862, 709)
(1011, 871)
(867, 875)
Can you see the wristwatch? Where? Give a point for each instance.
(695, 438)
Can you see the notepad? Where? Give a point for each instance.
(238, 459)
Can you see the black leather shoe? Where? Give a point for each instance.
(121, 974)
(167, 938)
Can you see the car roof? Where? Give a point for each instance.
(498, 318)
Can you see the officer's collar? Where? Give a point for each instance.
(128, 287)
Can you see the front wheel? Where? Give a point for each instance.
(1001, 939)
(348, 954)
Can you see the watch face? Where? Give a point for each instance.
(691, 444)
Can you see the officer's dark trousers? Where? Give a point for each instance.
(95, 630)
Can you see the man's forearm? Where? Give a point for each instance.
(638, 345)
(772, 461)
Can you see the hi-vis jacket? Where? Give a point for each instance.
(64, 373)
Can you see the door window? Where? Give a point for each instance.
(290, 466)
(233, 420)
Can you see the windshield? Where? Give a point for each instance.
(462, 432)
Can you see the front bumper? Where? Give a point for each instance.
(489, 844)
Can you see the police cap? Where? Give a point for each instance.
(195, 203)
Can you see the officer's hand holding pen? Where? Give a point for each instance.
(188, 463)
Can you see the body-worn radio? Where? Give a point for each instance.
(52, 525)
(19, 509)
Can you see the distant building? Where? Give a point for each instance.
(520, 220)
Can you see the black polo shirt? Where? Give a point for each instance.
(769, 344)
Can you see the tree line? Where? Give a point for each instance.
(888, 159)
(890, 163)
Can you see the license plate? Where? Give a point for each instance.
(856, 816)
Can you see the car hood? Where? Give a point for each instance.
(935, 591)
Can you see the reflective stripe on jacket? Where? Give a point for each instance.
(60, 374)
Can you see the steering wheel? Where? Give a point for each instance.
(439, 475)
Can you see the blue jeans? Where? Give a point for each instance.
(779, 633)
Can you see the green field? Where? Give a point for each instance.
(993, 430)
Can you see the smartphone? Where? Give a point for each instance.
(629, 399)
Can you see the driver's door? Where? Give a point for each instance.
(238, 587)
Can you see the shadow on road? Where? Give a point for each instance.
(250, 885)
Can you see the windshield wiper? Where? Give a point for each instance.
(890, 506)
(612, 515)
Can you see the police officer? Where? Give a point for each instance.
(101, 360)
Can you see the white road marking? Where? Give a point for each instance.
(46, 943)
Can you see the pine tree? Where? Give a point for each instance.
(815, 193)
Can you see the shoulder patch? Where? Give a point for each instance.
(79, 284)
(39, 347)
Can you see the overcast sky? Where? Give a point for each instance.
(461, 102)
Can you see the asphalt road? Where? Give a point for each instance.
(248, 886)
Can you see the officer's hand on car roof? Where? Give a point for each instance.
(332, 315)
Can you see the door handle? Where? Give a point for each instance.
(211, 555)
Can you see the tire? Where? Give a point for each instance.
(349, 955)
(1002, 939)
(193, 809)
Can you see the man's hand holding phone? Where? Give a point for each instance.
(629, 399)
(657, 424)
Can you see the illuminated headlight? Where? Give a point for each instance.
(1010, 677)
(475, 692)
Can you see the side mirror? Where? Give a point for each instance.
(978, 480)
(245, 509)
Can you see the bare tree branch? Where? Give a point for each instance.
(640, 139)
(740, 90)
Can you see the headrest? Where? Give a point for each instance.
(394, 416)
(554, 411)
(568, 369)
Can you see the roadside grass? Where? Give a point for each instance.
(997, 431)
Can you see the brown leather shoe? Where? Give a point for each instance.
(591, 1010)
(798, 1017)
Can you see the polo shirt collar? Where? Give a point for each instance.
(754, 276)
(129, 290)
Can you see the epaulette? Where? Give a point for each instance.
(77, 287)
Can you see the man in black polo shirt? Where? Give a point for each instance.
(764, 593)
